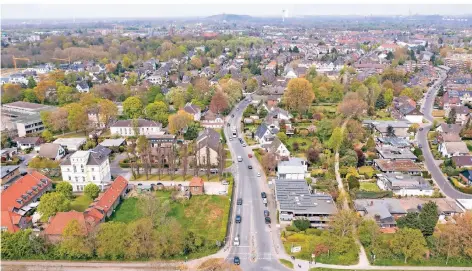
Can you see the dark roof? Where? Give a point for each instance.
(261, 130)
(210, 138)
(462, 161)
(83, 85)
(98, 155)
(28, 140)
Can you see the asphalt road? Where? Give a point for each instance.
(422, 137)
(256, 249)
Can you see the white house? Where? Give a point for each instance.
(263, 134)
(84, 167)
(449, 149)
(212, 120)
(82, 87)
(404, 184)
(293, 169)
(194, 111)
(144, 127)
(71, 143)
(52, 151)
(155, 79)
(278, 148)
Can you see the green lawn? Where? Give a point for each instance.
(369, 186)
(303, 143)
(176, 177)
(68, 135)
(287, 263)
(80, 203)
(205, 214)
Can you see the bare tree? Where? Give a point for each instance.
(208, 162)
(184, 160)
(221, 160)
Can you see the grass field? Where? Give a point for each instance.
(206, 214)
(369, 186)
(303, 143)
(176, 177)
(287, 263)
(80, 203)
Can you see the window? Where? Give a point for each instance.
(93, 178)
(76, 178)
(70, 179)
(83, 179)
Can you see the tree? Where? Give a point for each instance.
(51, 203)
(299, 95)
(59, 119)
(179, 121)
(201, 86)
(368, 231)
(11, 93)
(219, 102)
(410, 243)
(154, 208)
(344, 222)
(73, 244)
(336, 139)
(410, 220)
(126, 61)
(31, 82)
(92, 190)
(176, 96)
(65, 188)
(144, 150)
(152, 93)
(66, 94)
(111, 240)
(414, 93)
(301, 224)
(390, 131)
(312, 155)
(381, 103)
(141, 244)
(268, 162)
(133, 107)
(448, 238)
(352, 105)
(232, 88)
(192, 132)
(111, 91)
(428, 218)
(353, 182)
(77, 118)
(452, 116)
(349, 159)
(311, 74)
(107, 111)
(157, 111)
(47, 136)
(196, 62)
(251, 85)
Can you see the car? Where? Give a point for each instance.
(236, 241)
(249, 155)
(419, 146)
(263, 195)
(232, 115)
(244, 144)
(267, 220)
(266, 213)
(258, 174)
(230, 139)
(140, 184)
(236, 260)
(421, 129)
(224, 182)
(228, 124)
(240, 201)
(249, 167)
(238, 219)
(237, 109)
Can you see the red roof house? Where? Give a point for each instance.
(196, 186)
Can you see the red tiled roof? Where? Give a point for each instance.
(58, 222)
(106, 200)
(196, 181)
(10, 220)
(20, 189)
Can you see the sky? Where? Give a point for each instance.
(58, 11)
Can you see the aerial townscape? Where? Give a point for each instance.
(236, 142)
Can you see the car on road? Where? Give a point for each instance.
(238, 219)
(249, 167)
(230, 139)
(236, 241)
(240, 159)
(228, 124)
(237, 109)
(236, 260)
(249, 155)
(267, 220)
(421, 129)
(244, 144)
(420, 146)
(266, 213)
(232, 115)
(263, 195)
(258, 174)
(240, 201)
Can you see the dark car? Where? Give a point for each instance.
(263, 195)
(238, 219)
(421, 129)
(267, 220)
(240, 201)
(232, 115)
(249, 167)
(266, 213)
(228, 124)
(236, 260)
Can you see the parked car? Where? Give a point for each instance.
(258, 174)
(240, 201)
(249, 155)
(263, 195)
(267, 220)
(238, 219)
(249, 167)
(224, 182)
(266, 213)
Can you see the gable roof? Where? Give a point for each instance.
(58, 223)
(25, 188)
(261, 130)
(191, 109)
(196, 181)
(10, 221)
(140, 123)
(28, 140)
(100, 207)
(49, 150)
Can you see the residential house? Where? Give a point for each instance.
(263, 134)
(278, 148)
(394, 153)
(212, 120)
(293, 169)
(404, 108)
(57, 224)
(208, 147)
(466, 177)
(462, 114)
(24, 143)
(9, 175)
(450, 149)
(196, 186)
(399, 127)
(8, 153)
(295, 201)
(193, 110)
(113, 143)
(144, 127)
(82, 87)
(52, 151)
(397, 166)
(19, 198)
(446, 207)
(449, 128)
(383, 211)
(72, 143)
(84, 167)
(462, 161)
(392, 141)
(404, 184)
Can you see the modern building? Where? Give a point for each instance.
(9, 175)
(292, 169)
(128, 127)
(383, 211)
(397, 166)
(84, 167)
(404, 184)
(71, 143)
(394, 153)
(295, 201)
(23, 118)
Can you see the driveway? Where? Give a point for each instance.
(422, 137)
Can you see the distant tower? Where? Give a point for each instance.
(283, 15)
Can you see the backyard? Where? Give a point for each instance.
(369, 186)
(205, 215)
(80, 203)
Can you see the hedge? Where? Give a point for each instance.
(373, 195)
(458, 186)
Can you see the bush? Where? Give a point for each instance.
(367, 171)
(373, 195)
(458, 186)
(292, 228)
(311, 231)
(121, 149)
(301, 224)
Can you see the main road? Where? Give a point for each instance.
(422, 137)
(257, 245)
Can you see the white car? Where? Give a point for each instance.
(258, 174)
